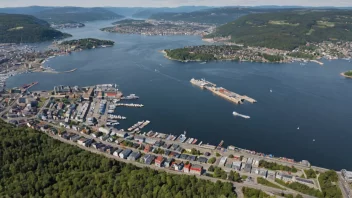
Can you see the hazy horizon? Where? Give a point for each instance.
(174, 3)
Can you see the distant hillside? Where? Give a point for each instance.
(16, 28)
(23, 10)
(143, 12)
(75, 14)
(288, 30)
(211, 16)
(148, 12)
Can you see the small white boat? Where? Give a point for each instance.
(297, 128)
(240, 115)
(271, 91)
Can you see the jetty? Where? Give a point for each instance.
(27, 86)
(222, 92)
(316, 61)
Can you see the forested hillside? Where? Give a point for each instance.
(289, 29)
(35, 165)
(211, 16)
(16, 28)
(76, 14)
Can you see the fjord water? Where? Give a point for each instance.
(312, 97)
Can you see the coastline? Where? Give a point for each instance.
(218, 60)
(237, 60)
(344, 75)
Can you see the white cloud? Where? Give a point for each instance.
(171, 3)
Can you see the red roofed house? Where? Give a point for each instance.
(147, 148)
(110, 95)
(159, 161)
(187, 168)
(196, 169)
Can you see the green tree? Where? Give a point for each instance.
(212, 160)
(34, 165)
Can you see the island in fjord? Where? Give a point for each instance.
(86, 43)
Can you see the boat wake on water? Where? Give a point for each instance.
(240, 115)
(165, 75)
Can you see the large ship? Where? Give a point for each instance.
(130, 97)
(241, 115)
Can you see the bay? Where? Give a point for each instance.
(312, 97)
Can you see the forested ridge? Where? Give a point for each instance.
(35, 165)
(289, 29)
(16, 28)
(75, 14)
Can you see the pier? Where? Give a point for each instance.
(222, 92)
(26, 87)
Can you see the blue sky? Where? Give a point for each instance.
(171, 3)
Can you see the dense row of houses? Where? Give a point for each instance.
(129, 154)
(251, 165)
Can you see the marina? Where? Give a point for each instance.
(135, 126)
(129, 105)
(222, 92)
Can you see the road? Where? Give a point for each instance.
(344, 186)
(10, 106)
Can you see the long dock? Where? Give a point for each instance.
(222, 92)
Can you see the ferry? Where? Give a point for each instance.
(241, 115)
(130, 97)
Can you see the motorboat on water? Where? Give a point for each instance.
(240, 115)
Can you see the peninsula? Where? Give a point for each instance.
(347, 74)
(159, 27)
(17, 28)
(280, 37)
(224, 52)
(18, 58)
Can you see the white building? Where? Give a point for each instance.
(222, 161)
(347, 175)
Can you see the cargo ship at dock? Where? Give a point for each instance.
(222, 92)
